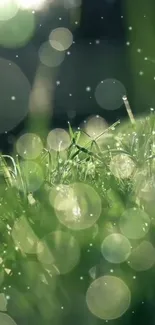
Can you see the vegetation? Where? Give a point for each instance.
(119, 165)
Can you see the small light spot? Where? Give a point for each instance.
(13, 98)
(81, 277)
(88, 88)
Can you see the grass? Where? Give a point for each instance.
(90, 161)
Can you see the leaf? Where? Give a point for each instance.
(70, 131)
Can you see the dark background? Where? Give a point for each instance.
(99, 51)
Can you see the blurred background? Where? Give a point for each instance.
(65, 60)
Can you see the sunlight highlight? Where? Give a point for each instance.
(31, 4)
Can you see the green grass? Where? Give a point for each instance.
(87, 161)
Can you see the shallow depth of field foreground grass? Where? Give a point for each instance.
(77, 226)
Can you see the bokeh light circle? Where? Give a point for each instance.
(32, 176)
(79, 207)
(142, 257)
(24, 236)
(17, 31)
(58, 251)
(12, 83)
(49, 56)
(134, 223)
(109, 94)
(122, 166)
(6, 320)
(144, 185)
(108, 297)
(58, 140)
(61, 38)
(29, 146)
(94, 126)
(116, 248)
(8, 9)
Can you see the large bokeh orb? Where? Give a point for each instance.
(79, 207)
(6, 320)
(116, 248)
(108, 297)
(109, 94)
(142, 257)
(134, 223)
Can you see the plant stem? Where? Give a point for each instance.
(128, 109)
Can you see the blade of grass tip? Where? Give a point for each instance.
(13, 163)
(97, 137)
(108, 129)
(77, 135)
(20, 174)
(6, 172)
(70, 131)
(128, 109)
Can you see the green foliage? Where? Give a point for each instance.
(88, 161)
